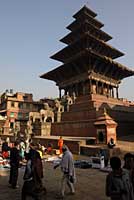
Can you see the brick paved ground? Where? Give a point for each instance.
(90, 185)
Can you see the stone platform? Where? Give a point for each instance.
(77, 145)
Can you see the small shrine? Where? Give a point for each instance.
(105, 129)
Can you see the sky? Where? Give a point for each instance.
(30, 31)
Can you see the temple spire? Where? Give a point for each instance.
(87, 50)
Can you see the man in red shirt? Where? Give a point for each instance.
(60, 144)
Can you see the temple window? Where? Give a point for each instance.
(12, 104)
(11, 114)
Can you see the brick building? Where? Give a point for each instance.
(16, 107)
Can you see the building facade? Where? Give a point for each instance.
(16, 107)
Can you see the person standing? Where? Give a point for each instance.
(14, 165)
(105, 154)
(60, 144)
(118, 182)
(128, 161)
(33, 175)
(22, 150)
(67, 167)
(29, 185)
(37, 167)
(129, 165)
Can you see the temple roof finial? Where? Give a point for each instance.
(87, 3)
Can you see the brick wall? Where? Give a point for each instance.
(76, 129)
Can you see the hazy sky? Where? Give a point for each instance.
(30, 31)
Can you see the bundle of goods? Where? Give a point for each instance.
(83, 164)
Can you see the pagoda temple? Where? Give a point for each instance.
(90, 73)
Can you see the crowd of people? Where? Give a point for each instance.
(119, 181)
(26, 154)
(30, 154)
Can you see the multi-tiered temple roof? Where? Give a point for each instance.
(88, 58)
